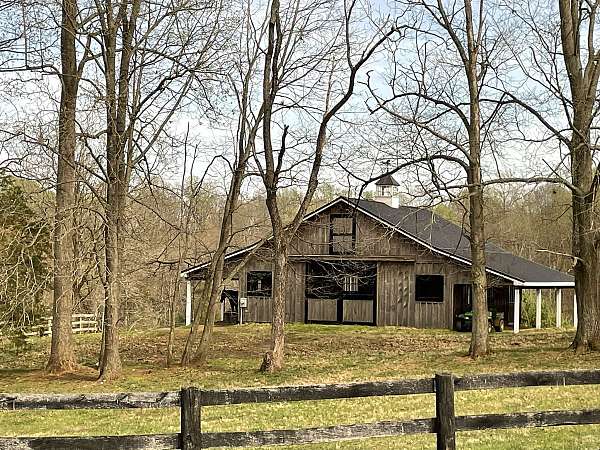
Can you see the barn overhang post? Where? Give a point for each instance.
(556, 286)
(188, 302)
(222, 309)
(538, 309)
(558, 301)
(517, 311)
(575, 318)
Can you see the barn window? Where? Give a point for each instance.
(259, 283)
(351, 283)
(429, 288)
(342, 234)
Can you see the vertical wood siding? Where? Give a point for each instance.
(260, 308)
(396, 302)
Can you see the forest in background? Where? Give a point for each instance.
(533, 223)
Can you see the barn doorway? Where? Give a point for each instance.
(341, 292)
(230, 302)
(463, 298)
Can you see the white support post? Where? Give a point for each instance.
(538, 309)
(575, 318)
(517, 311)
(188, 303)
(558, 298)
(222, 310)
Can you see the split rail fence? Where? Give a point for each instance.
(191, 400)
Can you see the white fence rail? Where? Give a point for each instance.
(80, 323)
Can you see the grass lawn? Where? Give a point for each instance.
(315, 354)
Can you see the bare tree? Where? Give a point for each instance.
(153, 57)
(62, 356)
(248, 124)
(439, 100)
(559, 59)
(283, 36)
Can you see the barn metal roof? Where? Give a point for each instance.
(440, 234)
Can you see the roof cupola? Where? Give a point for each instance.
(386, 191)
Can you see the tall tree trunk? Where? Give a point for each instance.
(217, 267)
(578, 20)
(110, 365)
(62, 356)
(479, 333)
(586, 241)
(282, 236)
(273, 359)
(117, 169)
(209, 321)
(212, 290)
(217, 274)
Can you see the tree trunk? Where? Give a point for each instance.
(213, 290)
(110, 365)
(479, 333)
(117, 170)
(188, 350)
(587, 282)
(209, 322)
(273, 359)
(219, 266)
(585, 242)
(62, 356)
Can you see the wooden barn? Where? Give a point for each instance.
(375, 262)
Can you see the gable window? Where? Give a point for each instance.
(259, 283)
(342, 234)
(429, 288)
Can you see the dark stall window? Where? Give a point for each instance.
(429, 288)
(259, 283)
(343, 234)
(322, 281)
(336, 280)
(360, 283)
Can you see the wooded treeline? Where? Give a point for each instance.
(154, 135)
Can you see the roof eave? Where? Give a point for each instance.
(545, 284)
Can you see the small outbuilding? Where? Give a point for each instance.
(375, 262)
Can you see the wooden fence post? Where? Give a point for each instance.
(444, 411)
(191, 432)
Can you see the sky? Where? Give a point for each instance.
(351, 146)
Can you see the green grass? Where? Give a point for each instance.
(315, 354)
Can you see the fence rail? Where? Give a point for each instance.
(80, 323)
(191, 400)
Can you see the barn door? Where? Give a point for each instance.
(359, 294)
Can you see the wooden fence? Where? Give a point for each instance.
(80, 323)
(191, 400)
